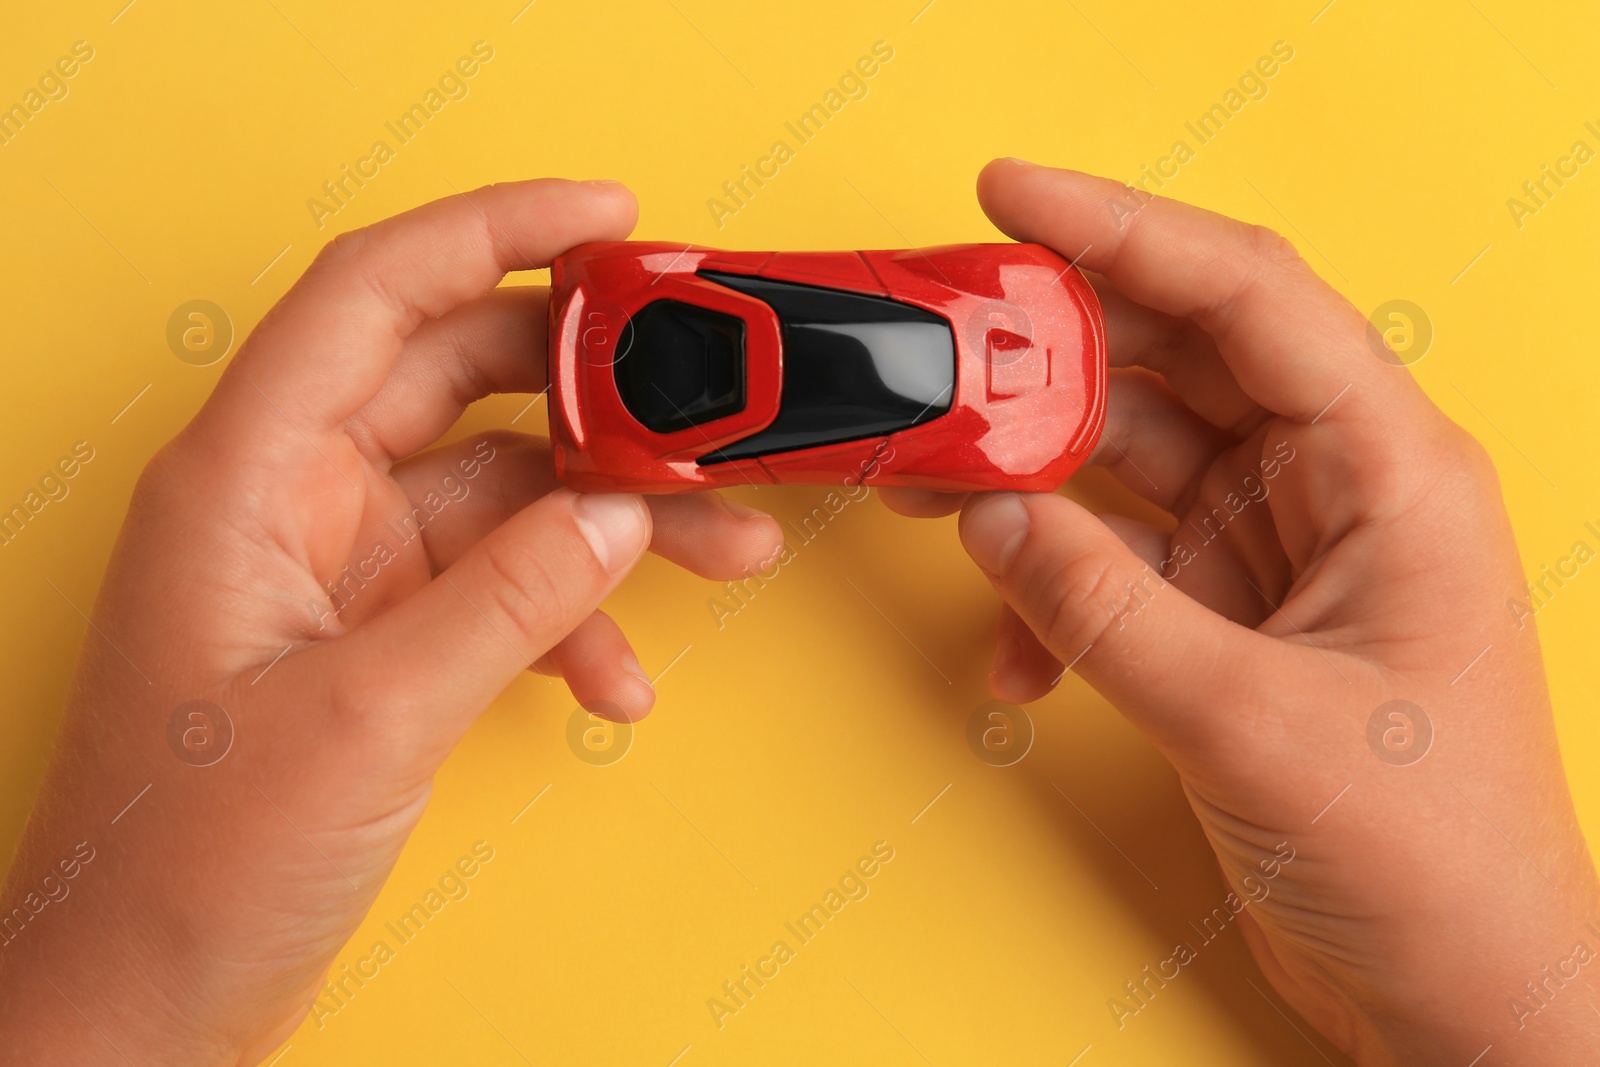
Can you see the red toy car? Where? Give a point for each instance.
(968, 367)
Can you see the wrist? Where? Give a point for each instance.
(1533, 1005)
(75, 995)
(1564, 1036)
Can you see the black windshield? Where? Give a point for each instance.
(680, 365)
(854, 366)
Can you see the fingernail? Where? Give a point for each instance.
(741, 511)
(614, 526)
(630, 665)
(993, 529)
(603, 182)
(1020, 162)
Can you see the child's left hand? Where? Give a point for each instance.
(200, 930)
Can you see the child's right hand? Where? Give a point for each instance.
(1340, 544)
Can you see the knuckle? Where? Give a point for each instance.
(1270, 246)
(1445, 470)
(1079, 601)
(358, 700)
(164, 488)
(525, 592)
(160, 471)
(1260, 255)
(1464, 461)
(341, 250)
(374, 713)
(360, 261)
(1470, 453)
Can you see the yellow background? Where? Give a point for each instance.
(810, 725)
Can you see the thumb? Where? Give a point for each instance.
(438, 658)
(1164, 660)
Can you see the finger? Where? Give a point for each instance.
(494, 344)
(602, 671)
(1293, 343)
(1162, 659)
(712, 536)
(328, 346)
(920, 503)
(1228, 550)
(1023, 670)
(703, 532)
(1182, 353)
(463, 491)
(1150, 544)
(424, 669)
(1152, 441)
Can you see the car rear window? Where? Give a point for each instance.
(854, 366)
(682, 366)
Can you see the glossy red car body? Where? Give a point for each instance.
(1023, 407)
